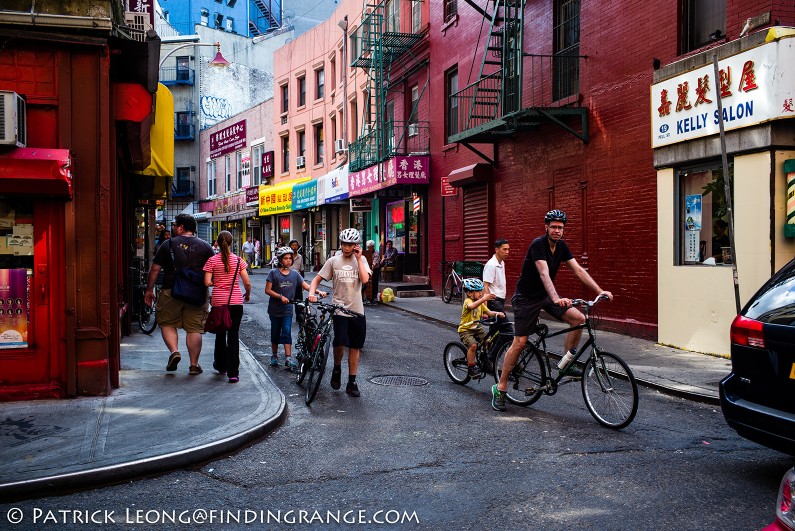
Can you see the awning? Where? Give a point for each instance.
(278, 199)
(161, 135)
(475, 173)
(243, 214)
(37, 172)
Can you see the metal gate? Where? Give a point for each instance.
(476, 223)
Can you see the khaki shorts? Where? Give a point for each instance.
(171, 312)
(472, 337)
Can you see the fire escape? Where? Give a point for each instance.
(266, 16)
(498, 103)
(379, 47)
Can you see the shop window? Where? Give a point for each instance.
(702, 22)
(16, 270)
(702, 218)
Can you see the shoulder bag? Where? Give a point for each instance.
(188, 285)
(220, 320)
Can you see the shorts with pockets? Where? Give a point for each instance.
(526, 311)
(350, 331)
(178, 314)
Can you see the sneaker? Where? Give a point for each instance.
(234, 379)
(497, 398)
(336, 378)
(352, 389)
(173, 361)
(573, 371)
(193, 370)
(291, 364)
(274, 360)
(474, 371)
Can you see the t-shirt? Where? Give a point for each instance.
(298, 263)
(494, 274)
(283, 285)
(189, 251)
(344, 273)
(469, 317)
(222, 280)
(529, 284)
(248, 248)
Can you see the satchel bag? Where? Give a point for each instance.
(188, 285)
(220, 320)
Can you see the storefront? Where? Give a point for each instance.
(276, 203)
(696, 295)
(399, 186)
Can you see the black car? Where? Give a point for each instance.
(758, 395)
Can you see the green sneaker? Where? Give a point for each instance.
(497, 398)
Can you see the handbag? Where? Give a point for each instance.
(220, 320)
(188, 285)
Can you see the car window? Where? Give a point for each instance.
(775, 302)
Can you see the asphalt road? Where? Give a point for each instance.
(436, 456)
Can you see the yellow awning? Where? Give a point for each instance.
(277, 199)
(161, 135)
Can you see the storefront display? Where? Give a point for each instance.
(16, 270)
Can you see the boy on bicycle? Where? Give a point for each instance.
(470, 330)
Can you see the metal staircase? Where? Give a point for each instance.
(498, 103)
(268, 11)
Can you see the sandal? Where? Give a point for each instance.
(194, 370)
(173, 361)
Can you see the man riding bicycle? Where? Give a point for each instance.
(535, 291)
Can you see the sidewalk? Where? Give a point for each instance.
(156, 421)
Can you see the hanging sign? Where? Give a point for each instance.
(447, 189)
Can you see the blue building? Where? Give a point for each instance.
(244, 17)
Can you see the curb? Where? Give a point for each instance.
(157, 464)
(672, 391)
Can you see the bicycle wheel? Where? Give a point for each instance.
(317, 368)
(610, 390)
(447, 291)
(525, 384)
(455, 362)
(302, 357)
(147, 315)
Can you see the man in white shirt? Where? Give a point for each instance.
(494, 276)
(248, 252)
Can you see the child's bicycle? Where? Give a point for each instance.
(456, 273)
(455, 353)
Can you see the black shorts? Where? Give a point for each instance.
(349, 331)
(525, 313)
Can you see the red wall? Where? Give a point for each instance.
(608, 186)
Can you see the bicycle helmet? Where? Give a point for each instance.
(281, 251)
(555, 215)
(350, 235)
(473, 284)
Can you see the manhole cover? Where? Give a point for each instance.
(399, 380)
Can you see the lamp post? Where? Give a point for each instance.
(343, 24)
(217, 61)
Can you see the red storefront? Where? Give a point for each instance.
(65, 200)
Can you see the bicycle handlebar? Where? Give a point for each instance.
(329, 307)
(583, 302)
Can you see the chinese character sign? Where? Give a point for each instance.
(228, 139)
(267, 165)
(755, 86)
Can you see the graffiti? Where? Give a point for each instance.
(216, 108)
(25, 430)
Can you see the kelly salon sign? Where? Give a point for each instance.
(755, 86)
(228, 139)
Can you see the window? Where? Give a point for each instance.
(228, 173)
(318, 133)
(392, 16)
(353, 48)
(230, 24)
(390, 126)
(416, 16)
(205, 17)
(182, 186)
(703, 22)
(354, 121)
(212, 189)
(240, 169)
(183, 68)
(415, 100)
(334, 136)
(256, 162)
(450, 9)
(301, 91)
(285, 98)
(231, 3)
(566, 35)
(332, 72)
(218, 20)
(320, 84)
(183, 125)
(301, 144)
(285, 154)
(451, 88)
(702, 220)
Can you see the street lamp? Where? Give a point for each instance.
(343, 24)
(217, 61)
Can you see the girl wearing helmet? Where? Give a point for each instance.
(470, 330)
(281, 286)
(348, 272)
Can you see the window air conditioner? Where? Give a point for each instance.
(339, 146)
(13, 131)
(300, 162)
(414, 129)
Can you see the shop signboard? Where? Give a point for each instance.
(756, 86)
(397, 170)
(277, 199)
(361, 204)
(228, 139)
(447, 189)
(252, 195)
(305, 195)
(267, 166)
(14, 307)
(337, 184)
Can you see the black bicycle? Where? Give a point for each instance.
(316, 344)
(146, 315)
(455, 353)
(608, 385)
